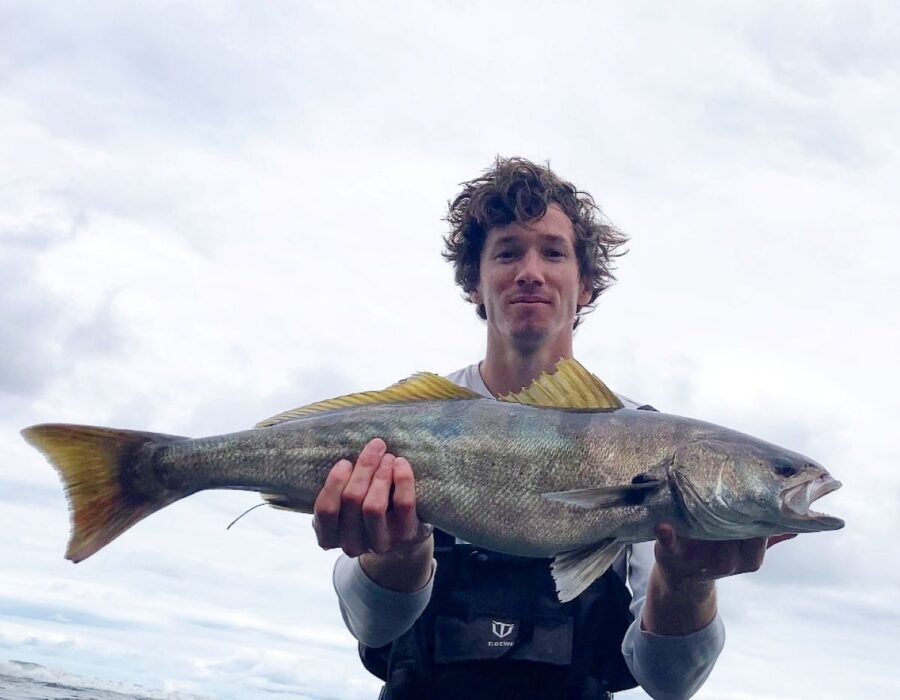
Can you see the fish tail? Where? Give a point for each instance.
(97, 468)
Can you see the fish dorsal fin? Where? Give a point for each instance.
(569, 386)
(423, 386)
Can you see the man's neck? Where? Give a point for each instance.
(508, 369)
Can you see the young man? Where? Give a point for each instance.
(532, 253)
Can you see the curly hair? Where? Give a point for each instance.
(515, 189)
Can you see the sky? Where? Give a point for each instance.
(211, 212)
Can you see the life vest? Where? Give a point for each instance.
(494, 628)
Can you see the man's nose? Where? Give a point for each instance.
(531, 269)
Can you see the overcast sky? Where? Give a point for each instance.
(214, 211)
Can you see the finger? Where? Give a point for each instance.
(665, 535)
(352, 527)
(366, 465)
(403, 503)
(775, 539)
(375, 505)
(327, 508)
(752, 553)
(684, 559)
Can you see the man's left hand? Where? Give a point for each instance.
(683, 561)
(681, 593)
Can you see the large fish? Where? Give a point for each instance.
(558, 470)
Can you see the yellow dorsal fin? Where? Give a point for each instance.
(569, 386)
(423, 386)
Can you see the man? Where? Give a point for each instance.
(533, 253)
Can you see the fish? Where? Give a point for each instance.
(559, 470)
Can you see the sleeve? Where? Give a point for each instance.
(375, 615)
(666, 667)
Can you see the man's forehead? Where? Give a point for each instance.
(553, 226)
(513, 235)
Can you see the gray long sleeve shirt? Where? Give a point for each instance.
(666, 667)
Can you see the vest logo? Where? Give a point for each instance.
(501, 630)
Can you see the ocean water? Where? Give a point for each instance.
(21, 680)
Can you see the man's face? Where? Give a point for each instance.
(529, 281)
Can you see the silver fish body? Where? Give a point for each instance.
(483, 468)
(526, 475)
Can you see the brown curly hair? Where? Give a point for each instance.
(515, 189)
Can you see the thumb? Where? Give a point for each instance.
(775, 539)
(665, 535)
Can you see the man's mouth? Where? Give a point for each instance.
(529, 300)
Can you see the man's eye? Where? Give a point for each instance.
(553, 253)
(506, 255)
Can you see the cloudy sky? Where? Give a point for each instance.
(214, 211)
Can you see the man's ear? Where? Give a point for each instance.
(584, 298)
(476, 297)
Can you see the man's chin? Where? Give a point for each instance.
(529, 338)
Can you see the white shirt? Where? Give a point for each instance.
(666, 667)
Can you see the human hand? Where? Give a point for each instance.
(369, 506)
(681, 592)
(683, 561)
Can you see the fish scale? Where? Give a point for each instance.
(577, 481)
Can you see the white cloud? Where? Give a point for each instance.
(212, 213)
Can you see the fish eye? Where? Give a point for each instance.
(784, 468)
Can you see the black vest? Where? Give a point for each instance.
(495, 629)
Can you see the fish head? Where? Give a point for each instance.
(750, 489)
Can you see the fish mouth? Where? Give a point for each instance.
(796, 501)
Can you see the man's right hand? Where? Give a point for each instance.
(369, 511)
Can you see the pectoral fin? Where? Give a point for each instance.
(574, 571)
(606, 496)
